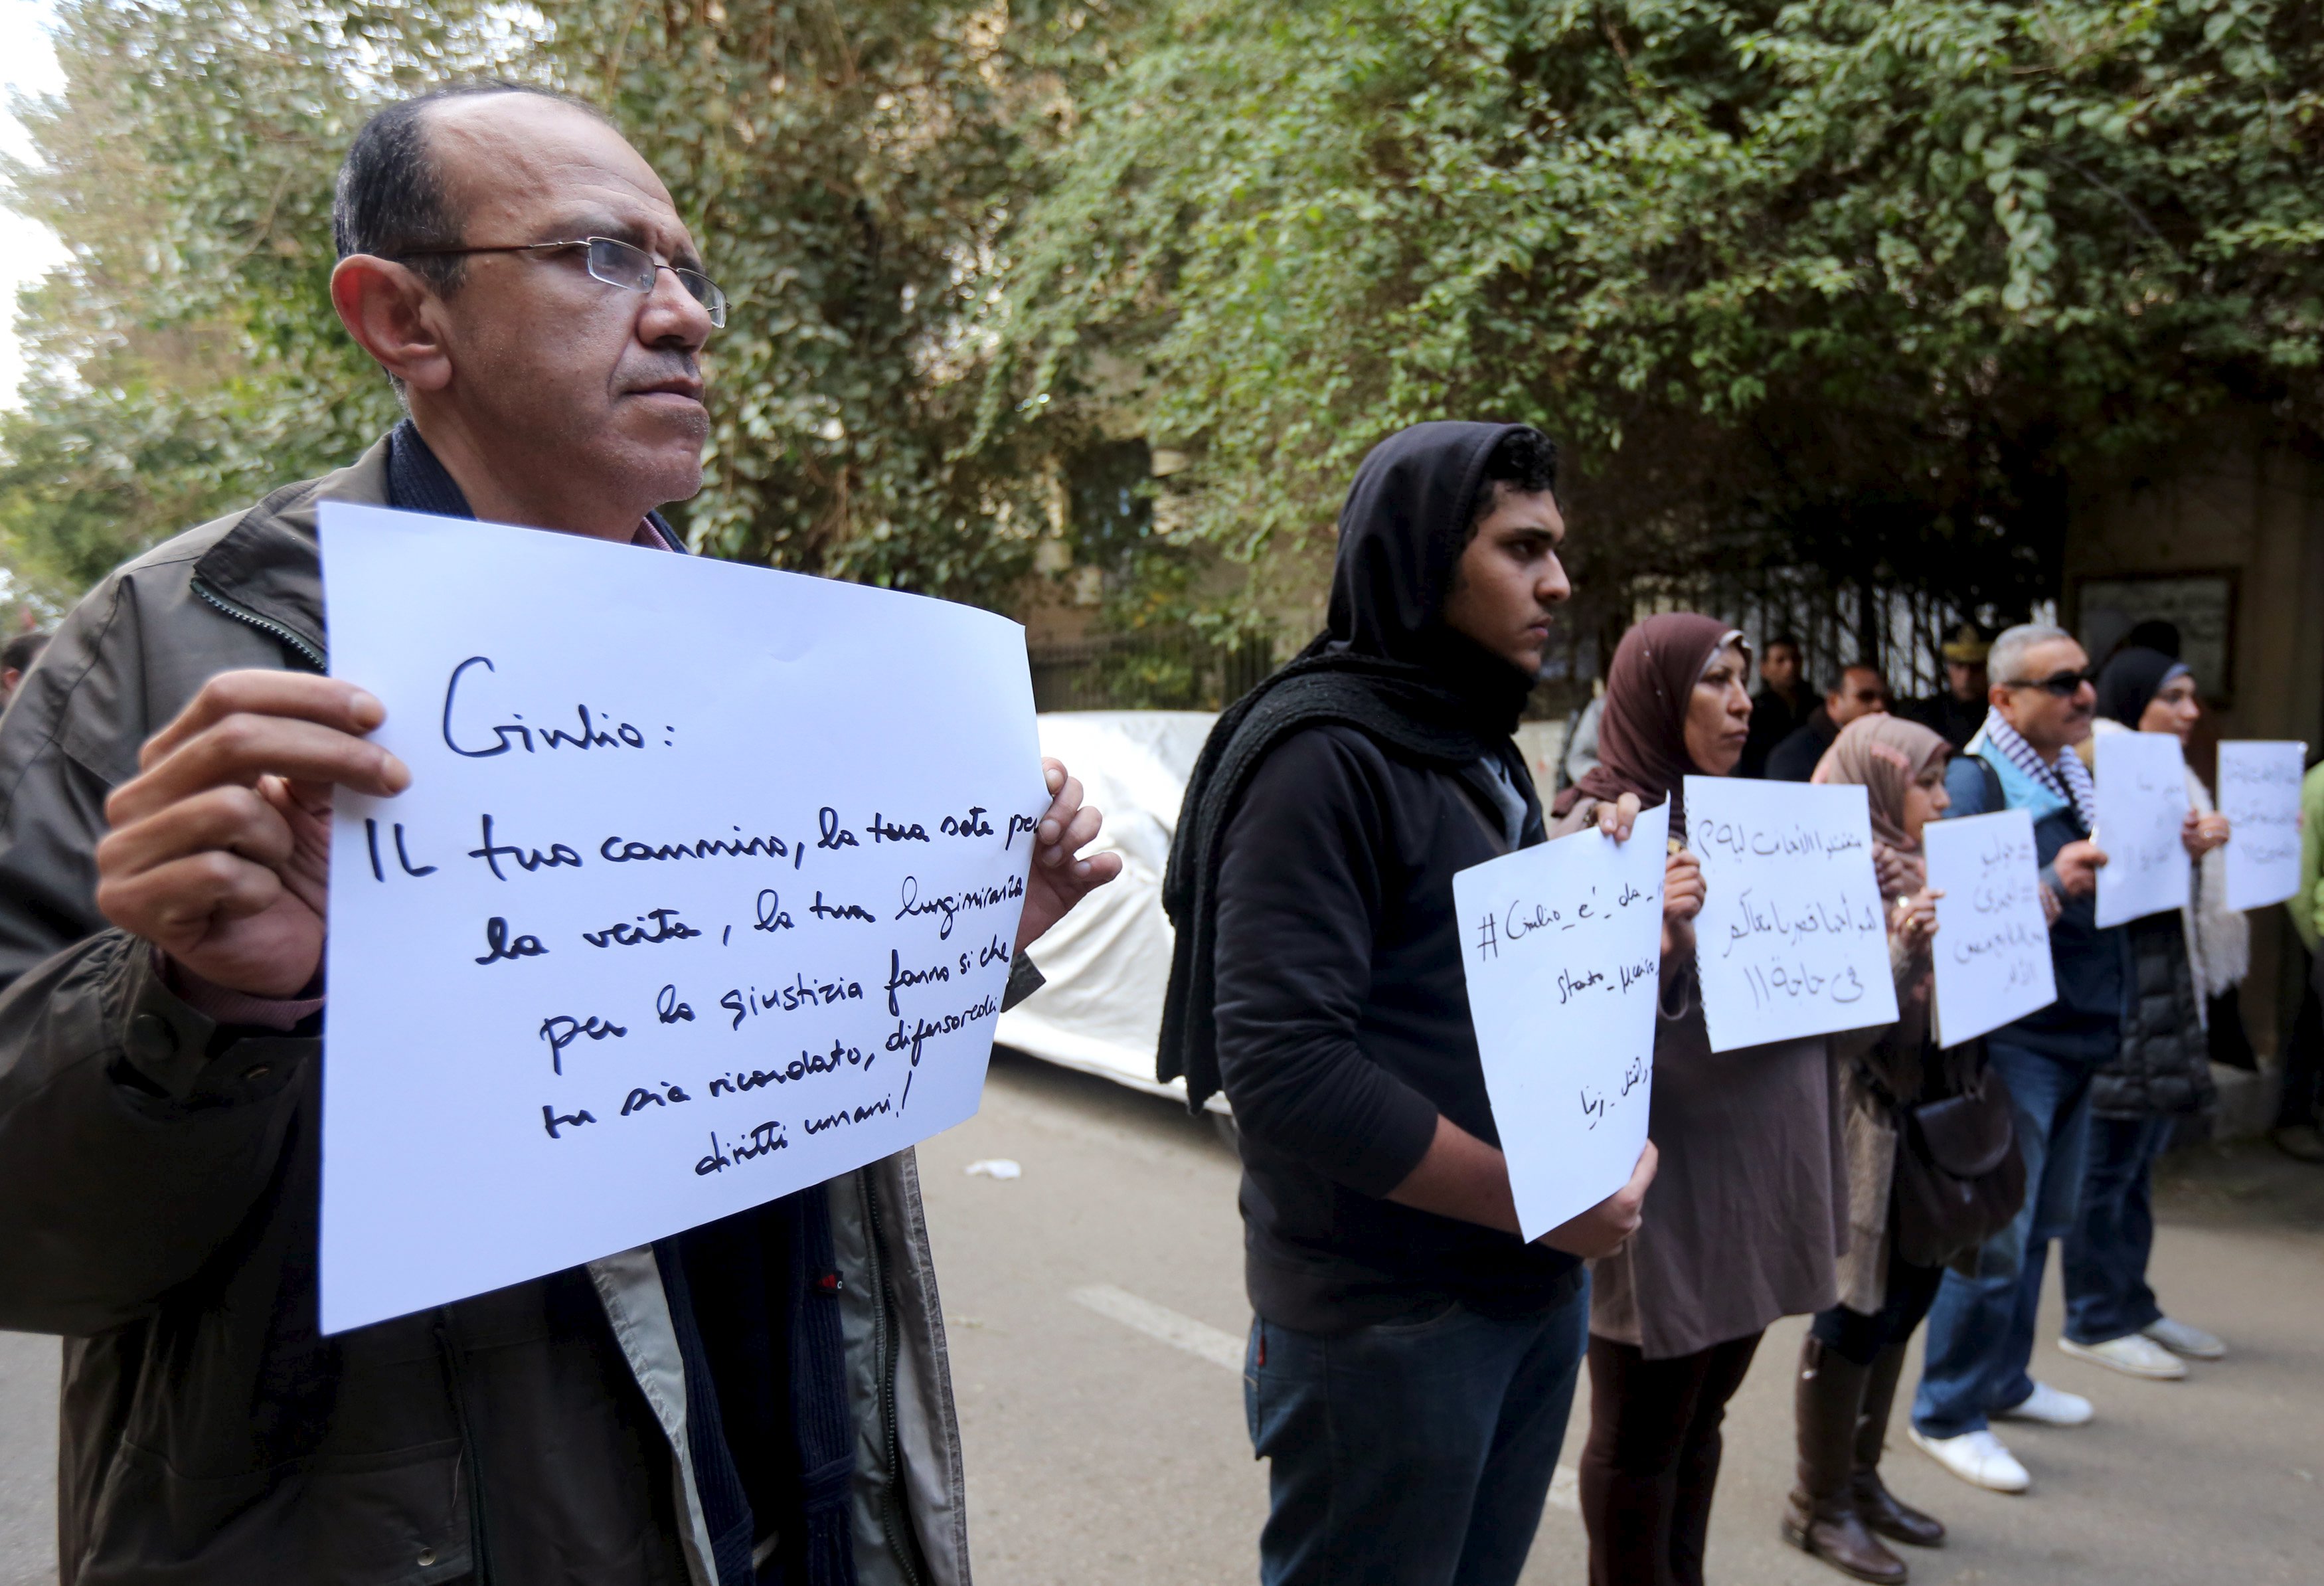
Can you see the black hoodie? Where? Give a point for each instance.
(1312, 887)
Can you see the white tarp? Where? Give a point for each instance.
(1108, 962)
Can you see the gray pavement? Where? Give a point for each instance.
(1096, 1305)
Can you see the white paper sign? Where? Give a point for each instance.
(1792, 939)
(704, 890)
(2259, 793)
(1562, 946)
(2141, 780)
(1992, 950)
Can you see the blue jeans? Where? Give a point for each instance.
(1980, 1336)
(2104, 1262)
(1410, 1453)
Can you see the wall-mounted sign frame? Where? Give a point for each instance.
(2199, 603)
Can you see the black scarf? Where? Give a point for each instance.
(753, 1299)
(1386, 665)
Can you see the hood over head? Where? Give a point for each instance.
(1407, 521)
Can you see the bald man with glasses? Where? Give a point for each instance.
(764, 1398)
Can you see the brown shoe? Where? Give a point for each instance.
(1821, 1518)
(1880, 1509)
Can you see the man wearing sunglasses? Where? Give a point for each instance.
(765, 1398)
(1981, 1330)
(1860, 692)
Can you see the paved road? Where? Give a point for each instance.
(1096, 1307)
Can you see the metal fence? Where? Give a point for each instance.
(1897, 632)
(1167, 669)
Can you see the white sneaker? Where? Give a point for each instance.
(2183, 1340)
(2132, 1354)
(2052, 1407)
(1976, 1457)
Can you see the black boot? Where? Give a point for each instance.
(1880, 1509)
(1820, 1519)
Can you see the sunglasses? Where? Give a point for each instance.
(2064, 684)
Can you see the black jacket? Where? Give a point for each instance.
(1795, 759)
(1343, 1030)
(1773, 720)
(2165, 1064)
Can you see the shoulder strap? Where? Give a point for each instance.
(1996, 799)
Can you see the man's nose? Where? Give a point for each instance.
(673, 317)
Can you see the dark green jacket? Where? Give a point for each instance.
(158, 1194)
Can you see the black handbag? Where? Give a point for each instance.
(1958, 1176)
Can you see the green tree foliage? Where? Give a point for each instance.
(1845, 282)
(185, 358)
(847, 169)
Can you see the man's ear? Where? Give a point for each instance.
(396, 317)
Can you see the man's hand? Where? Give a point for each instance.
(2051, 907)
(1601, 1230)
(1059, 879)
(2078, 865)
(2203, 833)
(220, 847)
(1914, 922)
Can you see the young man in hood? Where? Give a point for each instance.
(1412, 1359)
(763, 1398)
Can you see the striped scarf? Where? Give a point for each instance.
(2067, 780)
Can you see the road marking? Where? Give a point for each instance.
(1224, 1349)
(1196, 1338)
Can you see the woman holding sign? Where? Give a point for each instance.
(1852, 1358)
(2163, 1071)
(1742, 1224)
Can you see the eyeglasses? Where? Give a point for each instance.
(2064, 684)
(612, 261)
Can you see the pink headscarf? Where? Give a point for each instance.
(1884, 755)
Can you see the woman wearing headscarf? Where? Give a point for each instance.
(1746, 1216)
(1854, 1354)
(2162, 1071)
(1412, 1359)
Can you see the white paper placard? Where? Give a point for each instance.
(2142, 806)
(1992, 950)
(1792, 939)
(2259, 793)
(1562, 946)
(704, 889)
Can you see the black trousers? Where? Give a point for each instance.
(1908, 1292)
(1652, 1458)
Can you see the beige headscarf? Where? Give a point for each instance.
(1886, 755)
